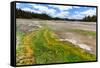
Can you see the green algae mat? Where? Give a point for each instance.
(42, 46)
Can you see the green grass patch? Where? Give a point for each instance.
(47, 48)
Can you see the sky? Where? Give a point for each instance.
(60, 11)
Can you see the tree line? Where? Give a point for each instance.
(29, 15)
(90, 18)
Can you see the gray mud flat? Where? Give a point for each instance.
(62, 30)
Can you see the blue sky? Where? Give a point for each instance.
(61, 11)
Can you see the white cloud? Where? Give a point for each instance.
(76, 12)
(17, 3)
(80, 15)
(44, 9)
(61, 7)
(76, 7)
(41, 9)
(89, 12)
(31, 10)
(62, 15)
(76, 16)
(51, 12)
(27, 9)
